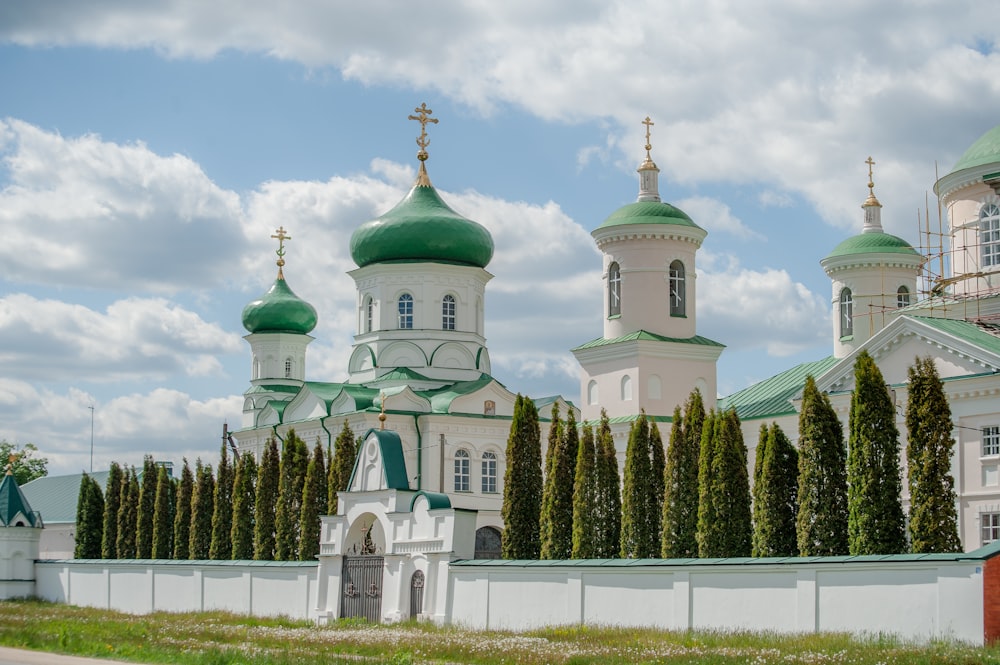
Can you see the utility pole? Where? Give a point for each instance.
(91, 407)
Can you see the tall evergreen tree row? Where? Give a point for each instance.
(775, 494)
(522, 491)
(163, 516)
(585, 498)
(680, 494)
(89, 519)
(314, 498)
(638, 540)
(244, 504)
(556, 521)
(112, 502)
(182, 513)
(607, 491)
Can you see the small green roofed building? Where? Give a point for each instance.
(20, 531)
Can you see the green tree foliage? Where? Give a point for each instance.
(680, 494)
(875, 523)
(551, 452)
(244, 500)
(147, 506)
(89, 519)
(933, 519)
(657, 478)
(556, 525)
(291, 479)
(314, 499)
(608, 497)
(182, 513)
(341, 466)
(112, 501)
(27, 464)
(222, 512)
(585, 498)
(163, 516)
(128, 515)
(637, 539)
(821, 525)
(724, 527)
(708, 520)
(775, 494)
(265, 507)
(202, 507)
(522, 491)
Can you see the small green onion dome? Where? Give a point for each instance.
(648, 212)
(872, 243)
(279, 310)
(422, 228)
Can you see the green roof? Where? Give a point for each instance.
(629, 419)
(422, 228)
(648, 212)
(393, 463)
(14, 503)
(442, 398)
(55, 497)
(279, 310)
(435, 500)
(271, 389)
(984, 335)
(771, 397)
(985, 150)
(642, 335)
(403, 374)
(872, 243)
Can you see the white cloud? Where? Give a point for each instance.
(771, 199)
(715, 216)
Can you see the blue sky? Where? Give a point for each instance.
(148, 151)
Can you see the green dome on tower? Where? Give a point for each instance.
(872, 243)
(279, 310)
(648, 212)
(986, 150)
(422, 228)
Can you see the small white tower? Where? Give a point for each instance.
(874, 275)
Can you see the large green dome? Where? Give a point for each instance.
(648, 212)
(985, 150)
(422, 228)
(872, 243)
(279, 310)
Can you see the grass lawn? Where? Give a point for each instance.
(224, 639)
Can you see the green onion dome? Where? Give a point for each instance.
(279, 310)
(872, 243)
(986, 150)
(422, 228)
(648, 212)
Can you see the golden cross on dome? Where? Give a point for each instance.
(649, 123)
(281, 236)
(871, 201)
(423, 118)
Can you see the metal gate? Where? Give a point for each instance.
(361, 588)
(416, 594)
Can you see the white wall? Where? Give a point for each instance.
(245, 587)
(913, 598)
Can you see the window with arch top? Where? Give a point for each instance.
(489, 473)
(405, 309)
(448, 313)
(846, 313)
(462, 470)
(369, 313)
(989, 234)
(288, 368)
(902, 297)
(614, 289)
(677, 289)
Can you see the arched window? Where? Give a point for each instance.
(489, 473)
(462, 470)
(677, 292)
(614, 290)
(369, 313)
(902, 297)
(846, 313)
(626, 388)
(592, 392)
(448, 313)
(488, 543)
(256, 368)
(288, 368)
(989, 234)
(405, 308)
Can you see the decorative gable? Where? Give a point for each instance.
(492, 399)
(380, 464)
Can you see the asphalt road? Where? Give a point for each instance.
(24, 657)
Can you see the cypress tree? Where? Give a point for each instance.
(202, 507)
(730, 489)
(182, 513)
(551, 453)
(775, 495)
(112, 501)
(636, 540)
(244, 499)
(522, 490)
(128, 508)
(147, 506)
(163, 516)
(609, 499)
(313, 496)
(267, 497)
(657, 473)
(708, 519)
(89, 519)
(222, 512)
(341, 466)
(821, 525)
(556, 524)
(875, 523)
(584, 498)
(933, 519)
(291, 478)
(680, 494)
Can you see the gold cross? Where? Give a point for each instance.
(649, 123)
(281, 236)
(870, 164)
(422, 117)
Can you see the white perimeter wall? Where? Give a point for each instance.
(913, 599)
(140, 587)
